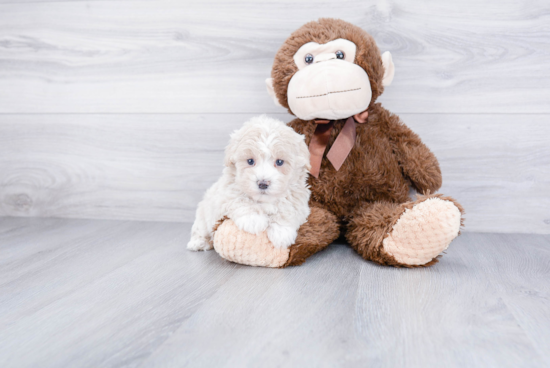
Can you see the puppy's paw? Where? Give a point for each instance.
(253, 224)
(196, 243)
(281, 236)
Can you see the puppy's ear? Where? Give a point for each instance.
(230, 150)
(303, 152)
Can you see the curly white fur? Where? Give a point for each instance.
(281, 208)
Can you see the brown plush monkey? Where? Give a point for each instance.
(329, 74)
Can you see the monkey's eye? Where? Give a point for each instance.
(279, 162)
(340, 54)
(308, 59)
(251, 161)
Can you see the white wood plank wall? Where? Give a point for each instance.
(121, 109)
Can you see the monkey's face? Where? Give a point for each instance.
(328, 84)
(329, 70)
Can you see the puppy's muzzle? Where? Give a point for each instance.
(263, 185)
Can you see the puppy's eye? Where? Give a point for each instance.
(250, 161)
(279, 162)
(308, 59)
(340, 54)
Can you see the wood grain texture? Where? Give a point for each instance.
(157, 167)
(213, 56)
(91, 293)
(133, 304)
(92, 86)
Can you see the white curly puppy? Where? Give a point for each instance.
(263, 185)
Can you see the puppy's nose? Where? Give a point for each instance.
(262, 184)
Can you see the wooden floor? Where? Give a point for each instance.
(91, 293)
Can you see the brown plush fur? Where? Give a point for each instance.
(370, 191)
(386, 158)
(316, 234)
(371, 223)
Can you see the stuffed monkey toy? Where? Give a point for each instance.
(329, 74)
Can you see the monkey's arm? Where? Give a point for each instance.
(418, 163)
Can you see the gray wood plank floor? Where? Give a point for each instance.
(90, 293)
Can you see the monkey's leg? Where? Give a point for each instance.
(238, 246)
(316, 234)
(410, 234)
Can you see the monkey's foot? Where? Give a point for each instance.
(423, 231)
(238, 246)
(241, 247)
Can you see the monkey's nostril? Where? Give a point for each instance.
(262, 184)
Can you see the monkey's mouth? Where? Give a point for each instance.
(329, 93)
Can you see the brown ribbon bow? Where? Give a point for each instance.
(342, 145)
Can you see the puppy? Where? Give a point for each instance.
(263, 185)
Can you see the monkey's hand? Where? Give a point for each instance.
(418, 163)
(421, 167)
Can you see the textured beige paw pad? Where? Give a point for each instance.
(241, 247)
(423, 232)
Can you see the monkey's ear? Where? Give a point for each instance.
(389, 69)
(271, 91)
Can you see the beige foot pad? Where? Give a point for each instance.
(241, 247)
(423, 232)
